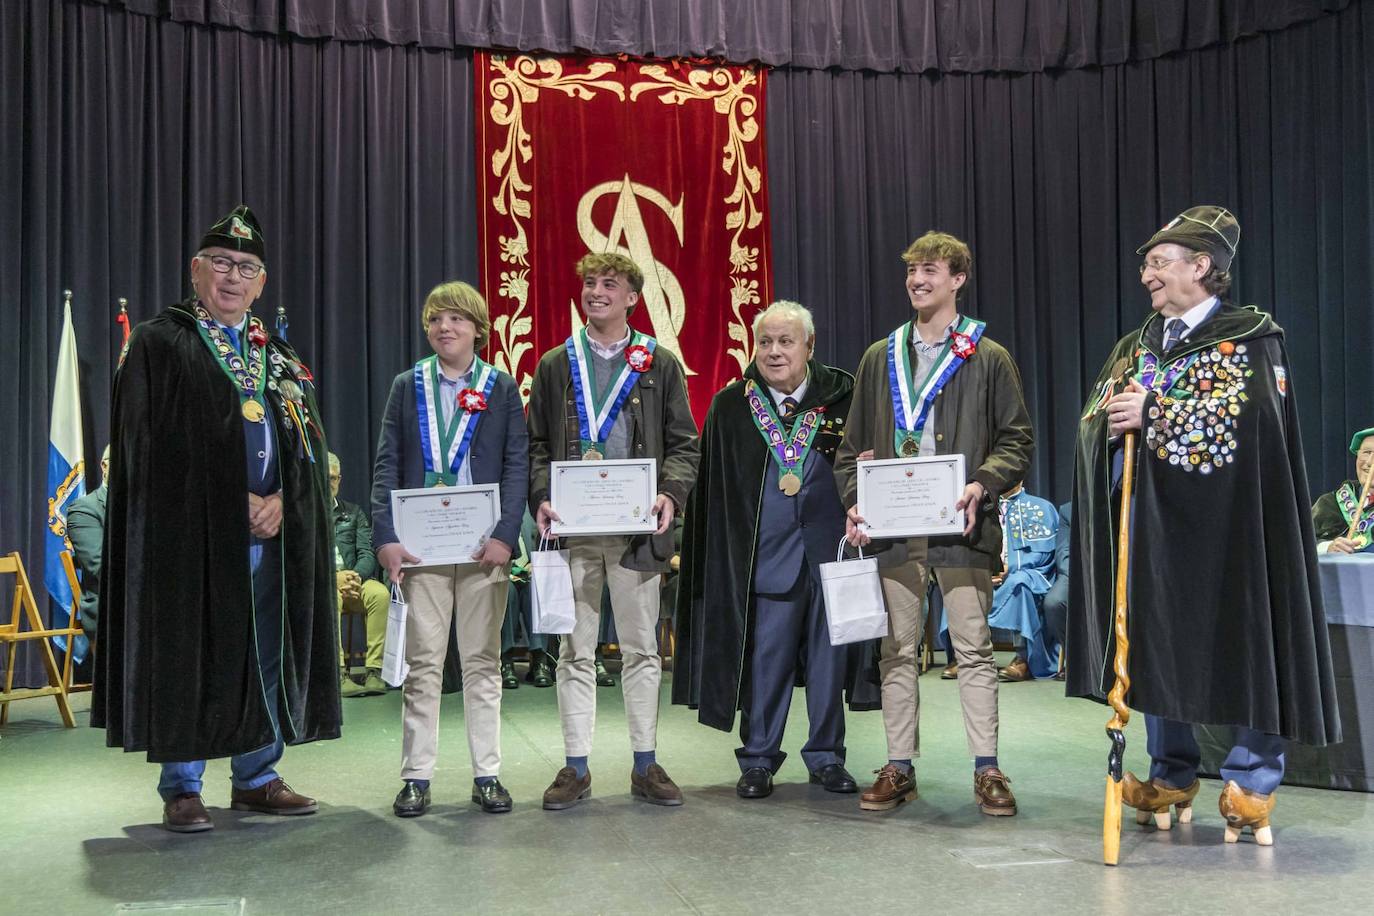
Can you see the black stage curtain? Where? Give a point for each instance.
(1056, 179)
(910, 36)
(124, 135)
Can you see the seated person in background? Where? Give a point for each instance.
(86, 531)
(1029, 524)
(517, 629)
(359, 591)
(1055, 604)
(1333, 512)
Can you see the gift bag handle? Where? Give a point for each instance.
(544, 540)
(839, 551)
(396, 594)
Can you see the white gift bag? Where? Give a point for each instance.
(394, 667)
(854, 606)
(552, 607)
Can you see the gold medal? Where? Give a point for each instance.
(252, 411)
(592, 454)
(789, 484)
(910, 447)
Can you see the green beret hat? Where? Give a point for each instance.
(1210, 229)
(238, 231)
(1359, 438)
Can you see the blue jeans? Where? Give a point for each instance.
(1255, 762)
(255, 768)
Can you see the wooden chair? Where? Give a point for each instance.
(12, 633)
(69, 567)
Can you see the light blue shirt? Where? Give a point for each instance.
(266, 454)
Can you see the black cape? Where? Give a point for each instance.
(715, 600)
(176, 672)
(1224, 607)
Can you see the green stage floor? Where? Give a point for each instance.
(79, 827)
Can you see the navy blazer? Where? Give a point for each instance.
(499, 453)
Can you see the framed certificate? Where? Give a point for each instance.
(442, 525)
(604, 497)
(911, 497)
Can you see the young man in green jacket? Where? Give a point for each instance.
(938, 386)
(642, 412)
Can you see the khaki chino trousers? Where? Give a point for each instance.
(434, 594)
(595, 563)
(967, 594)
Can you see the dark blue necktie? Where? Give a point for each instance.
(1174, 329)
(788, 408)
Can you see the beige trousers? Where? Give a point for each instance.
(433, 595)
(967, 594)
(595, 562)
(373, 603)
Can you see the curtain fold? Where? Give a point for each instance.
(909, 36)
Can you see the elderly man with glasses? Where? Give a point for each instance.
(1223, 603)
(218, 632)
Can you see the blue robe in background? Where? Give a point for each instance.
(1029, 526)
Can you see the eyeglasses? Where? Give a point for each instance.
(1159, 264)
(249, 270)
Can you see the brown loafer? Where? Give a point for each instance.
(1018, 670)
(655, 786)
(567, 790)
(892, 787)
(274, 798)
(186, 814)
(951, 672)
(1243, 808)
(992, 791)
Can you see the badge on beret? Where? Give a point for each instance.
(239, 229)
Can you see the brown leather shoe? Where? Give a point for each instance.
(1153, 799)
(892, 787)
(567, 790)
(186, 814)
(951, 672)
(1243, 808)
(992, 791)
(655, 786)
(1018, 670)
(274, 798)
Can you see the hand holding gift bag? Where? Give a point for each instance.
(854, 606)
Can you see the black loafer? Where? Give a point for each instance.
(543, 674)
(493, 797)
(411, 801)
(834, 778)
(755, 782)
(508, 679)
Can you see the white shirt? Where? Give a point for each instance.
(1193, 317)
(606, 352)
(796, 395)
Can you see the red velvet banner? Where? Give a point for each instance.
(659, 161)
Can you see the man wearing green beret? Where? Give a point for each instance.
(218, 634)
(1352, 503)
(1223, 604)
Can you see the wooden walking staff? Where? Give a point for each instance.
(1116, 728)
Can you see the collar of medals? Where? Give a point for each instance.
(788, 452)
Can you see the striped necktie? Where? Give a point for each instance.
(1174, 330)
(788, 408)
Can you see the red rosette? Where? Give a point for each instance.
(257, 336)
(472, 400)
(962, 345)
(639, 357)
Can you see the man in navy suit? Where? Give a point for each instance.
(452, 420)
(764, 515)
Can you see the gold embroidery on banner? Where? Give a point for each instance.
(517, 82)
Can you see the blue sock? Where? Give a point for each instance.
(420, 784)
(904, 765)
(484, 780)
(983, 763)
(642, 761)
(579, 764)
